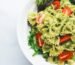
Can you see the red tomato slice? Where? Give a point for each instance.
(65, 38)
(67, 11)
(39, 40)
(65, 55)
(56, 3)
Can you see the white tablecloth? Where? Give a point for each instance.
(10, 52)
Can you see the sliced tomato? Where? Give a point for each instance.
(56, 4)
(67, 11)
(65, 38)
(39, 40)
(65, 55)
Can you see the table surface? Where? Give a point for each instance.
(10, 52)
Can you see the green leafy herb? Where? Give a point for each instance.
(33, 43)
(42, 2)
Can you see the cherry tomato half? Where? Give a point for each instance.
(65, 55)
(67, 11)
(65, 38)
(39, 40)
(56, 3)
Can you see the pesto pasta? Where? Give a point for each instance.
(54, 31)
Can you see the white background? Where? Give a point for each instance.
(10, 52)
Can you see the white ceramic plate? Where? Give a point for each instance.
(23, 31)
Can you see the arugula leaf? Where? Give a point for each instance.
(33, 43)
